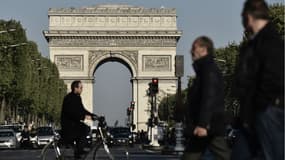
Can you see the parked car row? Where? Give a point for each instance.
(12, 137)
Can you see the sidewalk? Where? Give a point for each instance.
(164, 150)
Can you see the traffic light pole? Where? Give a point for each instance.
(154, 129)
(153, 121)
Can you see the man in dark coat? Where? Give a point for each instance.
(260, 85)
(205, 118)
(73, 112)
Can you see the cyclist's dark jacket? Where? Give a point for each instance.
(72, 112)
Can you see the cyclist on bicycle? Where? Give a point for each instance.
(73, 112)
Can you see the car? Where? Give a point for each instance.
(33, 138)
(17, 129)
(45, 135)
(120, 136)
(8, 139)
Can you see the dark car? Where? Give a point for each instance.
(120, 136)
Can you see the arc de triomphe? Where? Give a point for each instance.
(143, 39)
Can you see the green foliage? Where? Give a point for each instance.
(30, 87)
(226, 59)
(166, 107)
(277, 17)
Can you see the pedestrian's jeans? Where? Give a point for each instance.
(216, 145)
(269, 131)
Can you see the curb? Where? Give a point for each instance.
(161, 150)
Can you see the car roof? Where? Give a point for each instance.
(94, 127)
(6, 130)
(120, 129)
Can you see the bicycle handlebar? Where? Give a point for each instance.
(101, 120)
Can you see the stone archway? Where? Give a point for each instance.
(127, 57)
(144, 39)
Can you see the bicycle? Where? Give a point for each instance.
(64, 152)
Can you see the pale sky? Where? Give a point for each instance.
(218, 19)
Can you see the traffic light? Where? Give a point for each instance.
(149, 91)
(154, 85)
(149, 122)
(129, 110)
(155, 120)
(132, 105)
(133, 126)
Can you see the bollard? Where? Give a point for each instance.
(179, 147)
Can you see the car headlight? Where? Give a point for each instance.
(88, 137)
(111, 136)
(33, 138)
(130, 136)
(10, 141)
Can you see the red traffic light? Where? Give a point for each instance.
(155, 80)
(132, 105)
(154, 86)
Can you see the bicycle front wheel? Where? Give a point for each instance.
(53, 151)
(102, 152)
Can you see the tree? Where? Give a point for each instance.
(226, 59)
(30, 86)
(277, 17)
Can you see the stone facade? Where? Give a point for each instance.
(143, 39)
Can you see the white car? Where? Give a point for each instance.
(45, 135)
(8, 139)
(17, 129)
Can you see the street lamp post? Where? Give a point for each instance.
(179, 72)
(8, 30)
(13, 45)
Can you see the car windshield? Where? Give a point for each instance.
(120, 132)
(6, 134)
(45, 131)
(15, 128)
